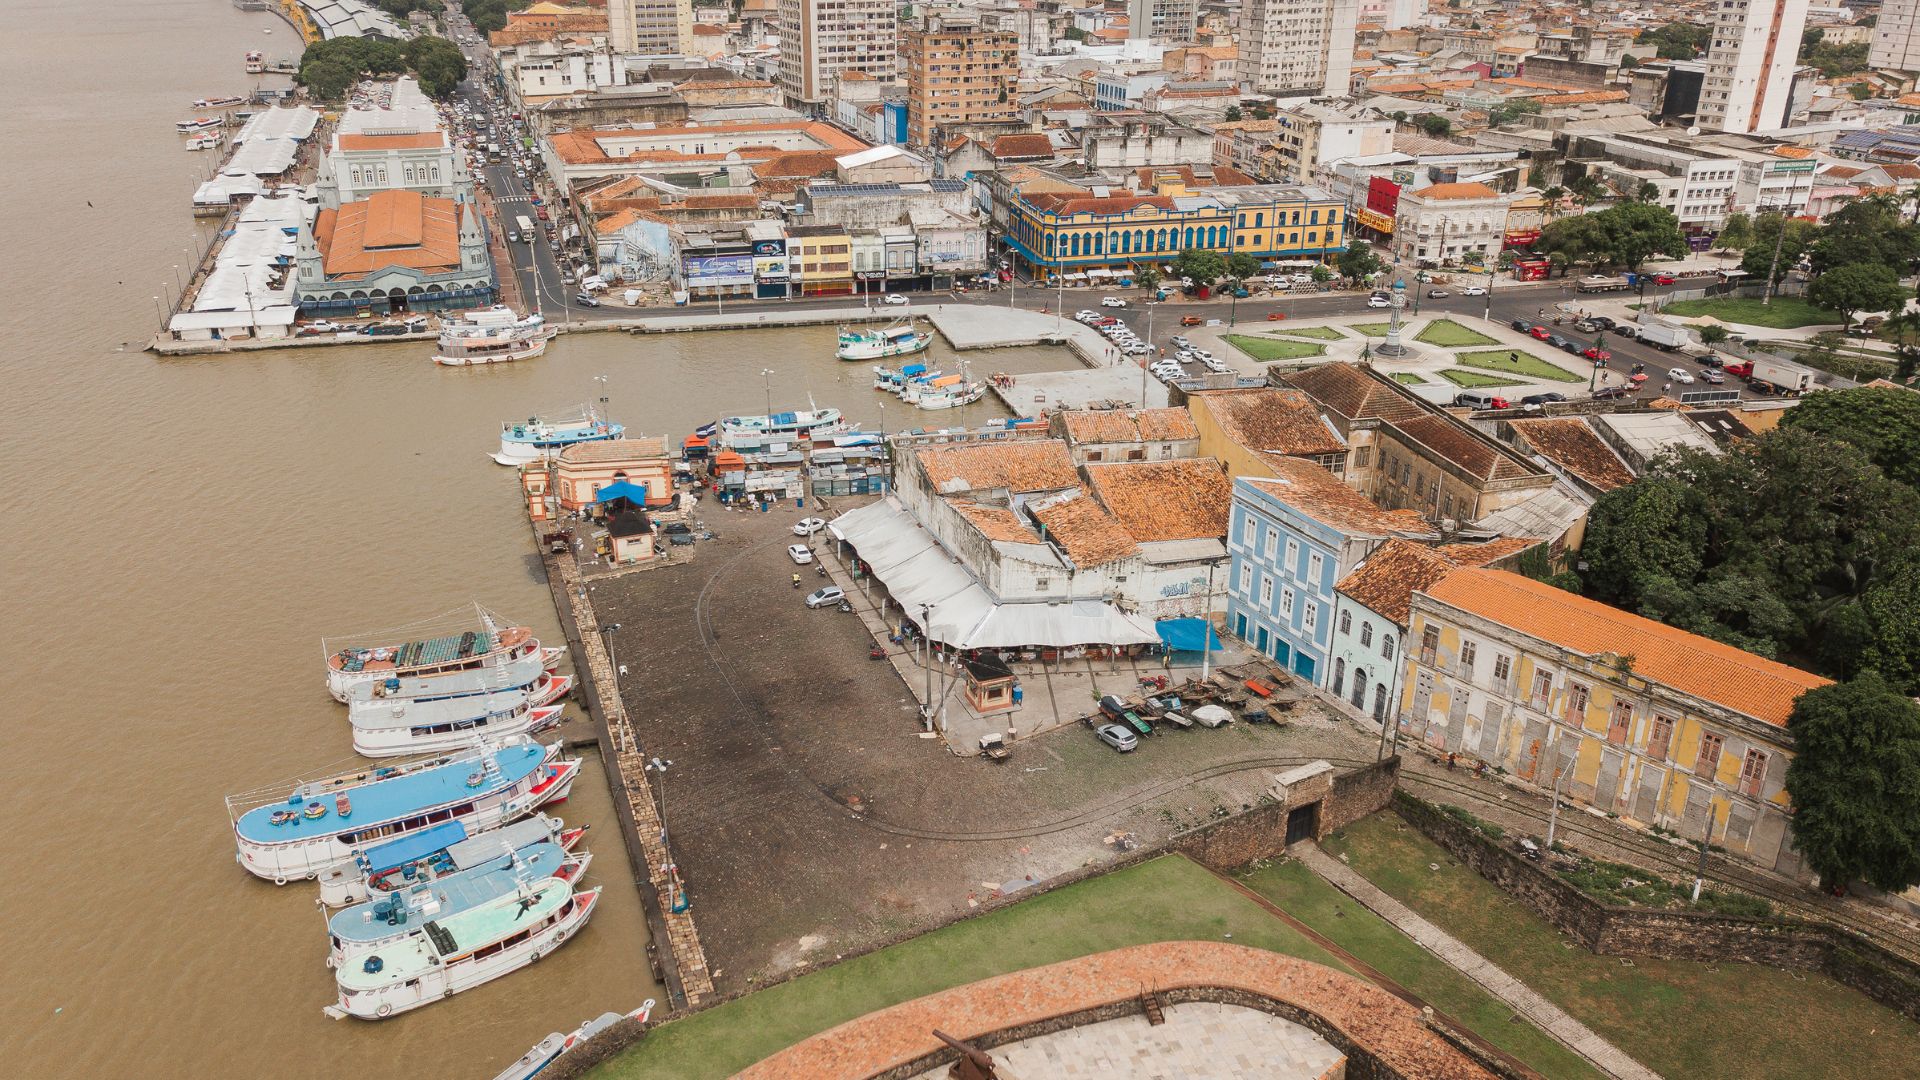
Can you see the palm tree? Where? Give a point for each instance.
(1553, 195)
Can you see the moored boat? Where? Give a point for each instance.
(198, 123)
(392, 864)
(794, 425)
(951, 395)
(375, 924)
(492, 335)
(527, 672)
(419, 657)
(536, 437)
(401, 727)
(298, 830)
(256, 63)
(206, 140)
(464, 950)
(887, 379)
(546, 1050)
(227, 102)
(900, 339)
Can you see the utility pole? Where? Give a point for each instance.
(1706, 841)
(926, 634)
(1553, 814)
(1779, 241)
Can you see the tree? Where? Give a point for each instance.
(1508, 112)
(1359, 261)
(1882, 423)
(1714, 335)
(1233, 113)
(1758, 258)
(1074, 33)
(1903, 331)
(1625, 235)
(1628, 63)
(1859, 91)
(1677, 40)
(1870, 230)
(1435, 125)
(1837, 61)
(326, 80)
(1649, 192)
(1736, 232)
(1809, 40)
(1557, 263)
(1320, 274)
(1855, 783)
(1146, 276)
(1399, 116)
(1202, 266)
(1242, 266)
(1857, 287)
(439, 64)
(1587, 190)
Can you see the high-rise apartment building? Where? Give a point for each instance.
(958, 73)
(819, 39)
(1896, 37)
(650, 27)
(1300, 45)
(1163, 22)
(1750, 62)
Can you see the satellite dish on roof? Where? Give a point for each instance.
(1694, 130)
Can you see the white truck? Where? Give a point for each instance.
(1767, 374)
(1602, 283)
(1663, 336)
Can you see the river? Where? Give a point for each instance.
(178, 535)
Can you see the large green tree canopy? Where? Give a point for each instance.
(1625, 235)
(1855, 783)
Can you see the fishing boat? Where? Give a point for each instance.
(791, 426)
(914, 389)
(951, 395)
(227, 102)
(891, 381)
(298, 830)
(373, 925)
(199, 123)
(492, 335)
(546, 1050)
(900, 339)
(400, 727)
(536, 437)
(458, 952)
(527, 673)
(435, 850)
(206, 140)
(428, 656)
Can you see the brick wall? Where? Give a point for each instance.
(1847, 958)
(1261, 833)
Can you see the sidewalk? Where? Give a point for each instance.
(1549, 1017)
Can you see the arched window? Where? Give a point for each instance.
(1049, 243)
(1380, 702)
(1296, 217)
(1346, 621)
(1366, 633)
(1359, 698)
(1189, 242)
(1126, 243)
(1098, 243)
(1339, 674)
(1386, 646)
(1313, 217)
(1074, 243)
(1259, 220)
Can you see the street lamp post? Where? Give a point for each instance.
(606, 639)
(766, 375)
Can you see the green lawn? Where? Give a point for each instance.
(1408, 378)
(1373, 329)
(1162, 900)
(1473, 379)
(1451, 335)
(1322, 333)
(1528, 366)
(1374, 941)
(1677, 1018)
(1268, 349)
(1784, 313)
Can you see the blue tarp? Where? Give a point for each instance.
(384, 857)
(1187, 635)
(636, 493)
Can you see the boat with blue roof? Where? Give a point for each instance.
(538, 437)
(885, 378)
(433, 851)
(457, 952)
(399, 727)
(298, 830)
(546, 1050)
(900, 339)
(528, 673)
(378, 923)
(449, 643)
(794, 425)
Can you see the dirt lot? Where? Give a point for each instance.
(807, 813)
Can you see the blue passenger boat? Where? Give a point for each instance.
(441, 848)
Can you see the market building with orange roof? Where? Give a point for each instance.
(394, 251)
(1625, 715)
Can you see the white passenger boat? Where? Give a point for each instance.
(376, 924)
(298, 830)
(537, 437)
(492, 335)
(256, 63)
(430, 651)
(783, 426)
(226, 102)
(900, 339)
(527, 673)
(951, 395)
(206, 140)
(399, 728)
(464, 950)
(546, 1050)
(199, 123)
(393, 864)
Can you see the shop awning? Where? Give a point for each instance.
(621, 489)
(1187, 635)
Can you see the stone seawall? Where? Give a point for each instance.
(1607, 930)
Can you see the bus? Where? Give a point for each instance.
(527, 231)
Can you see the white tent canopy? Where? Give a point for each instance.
(958, 611)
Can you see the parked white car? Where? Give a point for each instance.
(800, 553)
(1379, 301)
(1474, 290)
(895, 298)
(808, 526)
(1112, 301)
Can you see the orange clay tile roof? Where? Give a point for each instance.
(1318, 494)
(797, 164)
(1385, 581)
(1804, 152)
(1456, 191)
(1461, 445)
(1128, 425)
(994, 522)
(610, 450)
(1901, 170)
(389, 228)
(1490, 552)
(1843, 172)
(1589, 97)
(616, 221)
(1747, 684)
(1063, 205)
(1086, 532)
(1577, 448)
(420, 140)
(1022, 146)
(1271, 421)
(1353, 393)
(1176, 499)
(1039, 465)
(582, 146)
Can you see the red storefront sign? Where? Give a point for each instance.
(1383, 196)
(1531, 269)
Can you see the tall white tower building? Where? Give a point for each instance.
(1896, 37)
(819, 39)
(1750, 62)
(1299, 45)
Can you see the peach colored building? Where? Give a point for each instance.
(584, 468)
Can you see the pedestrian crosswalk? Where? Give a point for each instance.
(513, 198)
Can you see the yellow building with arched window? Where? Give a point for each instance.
(1052, 233)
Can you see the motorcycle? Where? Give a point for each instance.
(820, 569)
(846, 605)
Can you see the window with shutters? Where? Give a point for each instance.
(1708, 761)
(1660, 739)
(1542, 691)
(1339, 675)
(1429, 644)
(1286, 602)
(1386, 646)
(1266, 591)
(1619, 723)
(1502, 668)
(1270, 542)
(1753, 772)
(1467, 656)
(1576, 703)
(1346, 622)
(1366, 634)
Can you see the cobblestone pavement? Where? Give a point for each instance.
(1199, 1039)
(1544, 1014)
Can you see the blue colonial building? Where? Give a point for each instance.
(1291, 537)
